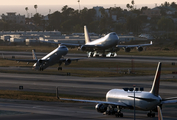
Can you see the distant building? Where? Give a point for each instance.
(152, 12)
(13, 18)
(98, 12)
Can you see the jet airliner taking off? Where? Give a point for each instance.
(54, 57)
(118, 99)
(107, 44)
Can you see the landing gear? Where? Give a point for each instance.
(103, 55)
(112, 55)
(119, 115)
(113, 110)
(150, 114)
(41, 68)
(90, 54)
(59, 68)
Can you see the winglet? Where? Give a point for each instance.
(87, 37)
(34, 54)
(160, 117)
(155, 86)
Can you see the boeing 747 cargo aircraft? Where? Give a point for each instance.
(107, 44)
(54, 57)
(118, 99)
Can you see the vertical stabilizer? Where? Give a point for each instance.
(34, 55)
(155, 86)
(87, 37)
(160, 117)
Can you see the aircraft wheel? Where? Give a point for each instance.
(112, 54)
(148, 114)
(40, 69)
(59, 68)
(153, 115)
(91, 55)
(121, 115)
(103, 55)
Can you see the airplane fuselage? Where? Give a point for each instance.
(110, 40)
(143, 100)
(51, 58)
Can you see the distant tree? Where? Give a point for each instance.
(128, 6)
(165, 24)
(35, 6)
(144, 8)
(174, 5)
(26, 8)
(133, 3)
(37, 19)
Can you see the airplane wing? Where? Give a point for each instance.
(132, 46)
(65, 44)
(22, 60)
(94, 101)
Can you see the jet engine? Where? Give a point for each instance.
(101, 108)
(139, 49)
(127, 49)
(68, 61)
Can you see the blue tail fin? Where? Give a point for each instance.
(156, 83)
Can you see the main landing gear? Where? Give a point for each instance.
(150, 114)
(59, 68)
(113, 110)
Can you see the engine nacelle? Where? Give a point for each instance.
(68, 61)
(139, 49)
(101, 108)
(127, 49)
(83, 48)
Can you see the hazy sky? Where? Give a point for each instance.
(82, 2)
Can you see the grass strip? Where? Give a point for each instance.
(40, 96)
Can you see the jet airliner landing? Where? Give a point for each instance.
(118, 99)
(54, 57)
(102, 46)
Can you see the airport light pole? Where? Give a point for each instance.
(134, 101)
(79, 6)
(133, 91)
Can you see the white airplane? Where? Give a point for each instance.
(118, 99)
(54, 57)
(108, 43)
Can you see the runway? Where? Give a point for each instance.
(9, 54)
(29, 110)
(82, 86)
(76, 86)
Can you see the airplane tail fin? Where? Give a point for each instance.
(156, 83)
(87, 37)
(160, 117)
(34, 54)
